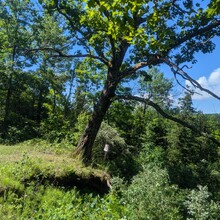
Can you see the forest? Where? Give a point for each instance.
(91, 126)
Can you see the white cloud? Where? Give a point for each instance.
(211, 83)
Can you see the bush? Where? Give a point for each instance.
(108, 135)
(57, 203)
(200, 206)
(18, 134)
(119, 157)
(151, 197)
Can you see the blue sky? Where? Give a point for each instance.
(207, 72)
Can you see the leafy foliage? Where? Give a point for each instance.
(151, 197)
(200, 206)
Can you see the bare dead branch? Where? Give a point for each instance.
(178, 82)
(179, 71)
(204, 42)
(168, 116)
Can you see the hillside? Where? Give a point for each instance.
(26, 162)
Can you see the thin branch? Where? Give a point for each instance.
(173, 3)
(205, 41)
(168, 116)
(133, 69)
(177, 70)
(74, 27)
(178, 82)
(61, 54)
(193, 33)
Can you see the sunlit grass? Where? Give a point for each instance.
(38, 149)
(39, 158)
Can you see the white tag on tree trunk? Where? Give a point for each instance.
(106, 148)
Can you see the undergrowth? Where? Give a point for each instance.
(29, 191)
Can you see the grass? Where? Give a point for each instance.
(42, 181)
(39, 159)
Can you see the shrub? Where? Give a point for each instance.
(108, 135)
(57, 203)
(151, 197)
(200, 206)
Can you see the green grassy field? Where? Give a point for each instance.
(39, 181)
(28, 161)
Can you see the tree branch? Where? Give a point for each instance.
(74, 27)
(61, 54)
(100, 56)
(173, 3)
(193, 33)
(179, 71)
(168, 116)
(133, 69)
(154, 61)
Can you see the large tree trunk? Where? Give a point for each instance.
(84, 147)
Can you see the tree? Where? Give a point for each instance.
(126, 36)
(186, 105)
(32, 86)
(190, 157)
(15, 34)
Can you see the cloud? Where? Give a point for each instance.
(211, 83)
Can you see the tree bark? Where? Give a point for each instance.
(84, 147)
